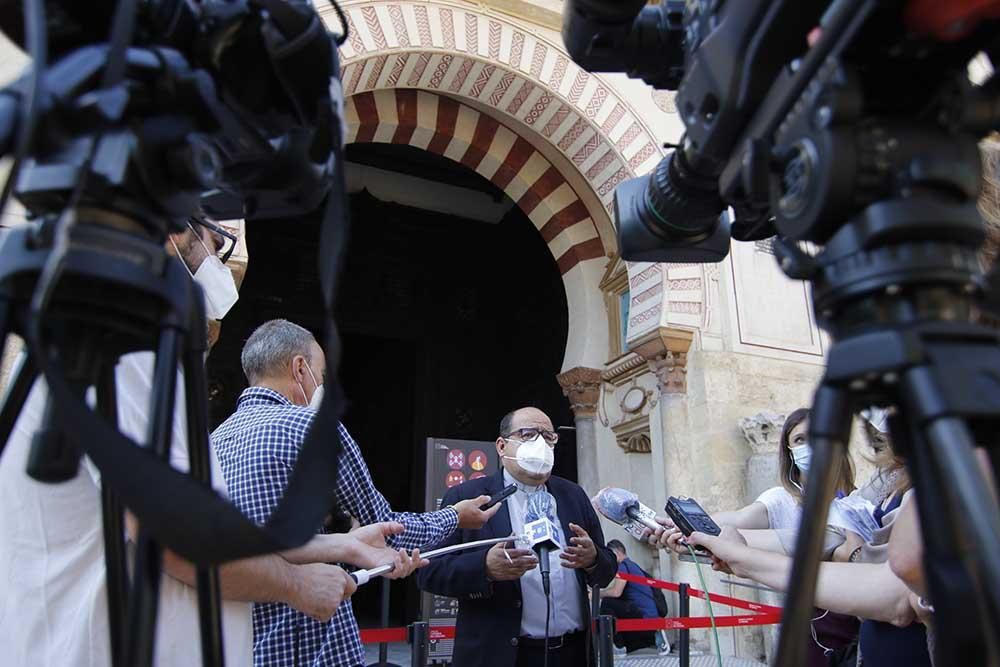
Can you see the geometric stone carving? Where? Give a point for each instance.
(665, 351)
(582, 386)
(763, 431)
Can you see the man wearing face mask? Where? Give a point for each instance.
(258, 447)
(53, 606)
(504, 615)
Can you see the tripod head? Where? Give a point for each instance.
(130, 138)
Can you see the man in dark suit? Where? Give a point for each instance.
(503, 613)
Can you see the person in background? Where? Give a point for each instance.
(626, 599)
(771, 523)
(258, 447)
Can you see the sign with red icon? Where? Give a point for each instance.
(456, 459)
(477, 460)
(476, 475)
(454, 478)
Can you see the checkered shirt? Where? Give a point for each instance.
(258, 447)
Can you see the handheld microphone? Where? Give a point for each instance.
(362, 577)
(541, 533)
(623, 507)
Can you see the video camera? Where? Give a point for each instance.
(794, 138)
(849, 130)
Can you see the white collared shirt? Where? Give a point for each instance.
(566, 604)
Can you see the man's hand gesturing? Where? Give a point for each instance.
(506, 564)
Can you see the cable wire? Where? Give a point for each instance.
(711, 614)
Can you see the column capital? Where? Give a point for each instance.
(665, 350)
(582, 386)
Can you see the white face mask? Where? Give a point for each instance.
(317, 397)
(801, 455)
(216, 282)
(535, 456)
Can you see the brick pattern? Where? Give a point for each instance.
(461, 75)
(538, 108)
(516, 49)
(418, 69)
(399, 25)
(374, 28)
(423, 25)
(481, 80)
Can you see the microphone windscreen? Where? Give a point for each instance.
(541, 505)
(614, 503)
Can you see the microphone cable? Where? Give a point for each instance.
(708, 601)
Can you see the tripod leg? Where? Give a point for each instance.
(829, 433)
(145, 591)
(960, 526)
(209, 597)
(23, 377)
(114, 528)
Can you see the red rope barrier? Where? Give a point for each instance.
(693, 622)
(385, 635)
(694, 592)
(765, 615)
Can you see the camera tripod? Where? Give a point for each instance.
(122, 162)
(157, 307)
(900, 317)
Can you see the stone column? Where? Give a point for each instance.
(665, 351)
(763, 433)
(582, 386)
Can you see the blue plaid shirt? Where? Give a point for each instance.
(258, 447)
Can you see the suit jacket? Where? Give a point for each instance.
(489, 613)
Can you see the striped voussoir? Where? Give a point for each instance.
(447, 127)
(522, 79)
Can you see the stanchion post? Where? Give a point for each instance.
(684, 635)
(605, 635)
(420, 638)
(595, 614)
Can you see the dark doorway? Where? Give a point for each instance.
(448, 323)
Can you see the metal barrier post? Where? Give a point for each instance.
(420, 638)
(684, 636)
(383, 647)
(595, 614)
(605, 634)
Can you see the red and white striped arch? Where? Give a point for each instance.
(447, 127)
(519, 76)
(501, 98)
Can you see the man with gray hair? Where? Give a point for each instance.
(258, 447)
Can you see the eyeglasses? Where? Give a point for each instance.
(528, 434)
(228, 238)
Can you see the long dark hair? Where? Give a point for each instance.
(791, 476)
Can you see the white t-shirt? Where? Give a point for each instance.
(783, 511)
(53, 598)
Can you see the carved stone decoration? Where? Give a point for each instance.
(665, 350)
(582, 386)
(633, 437)
(670, 369)
(633, 400)
(763, 431)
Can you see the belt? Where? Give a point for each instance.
(554, 642)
